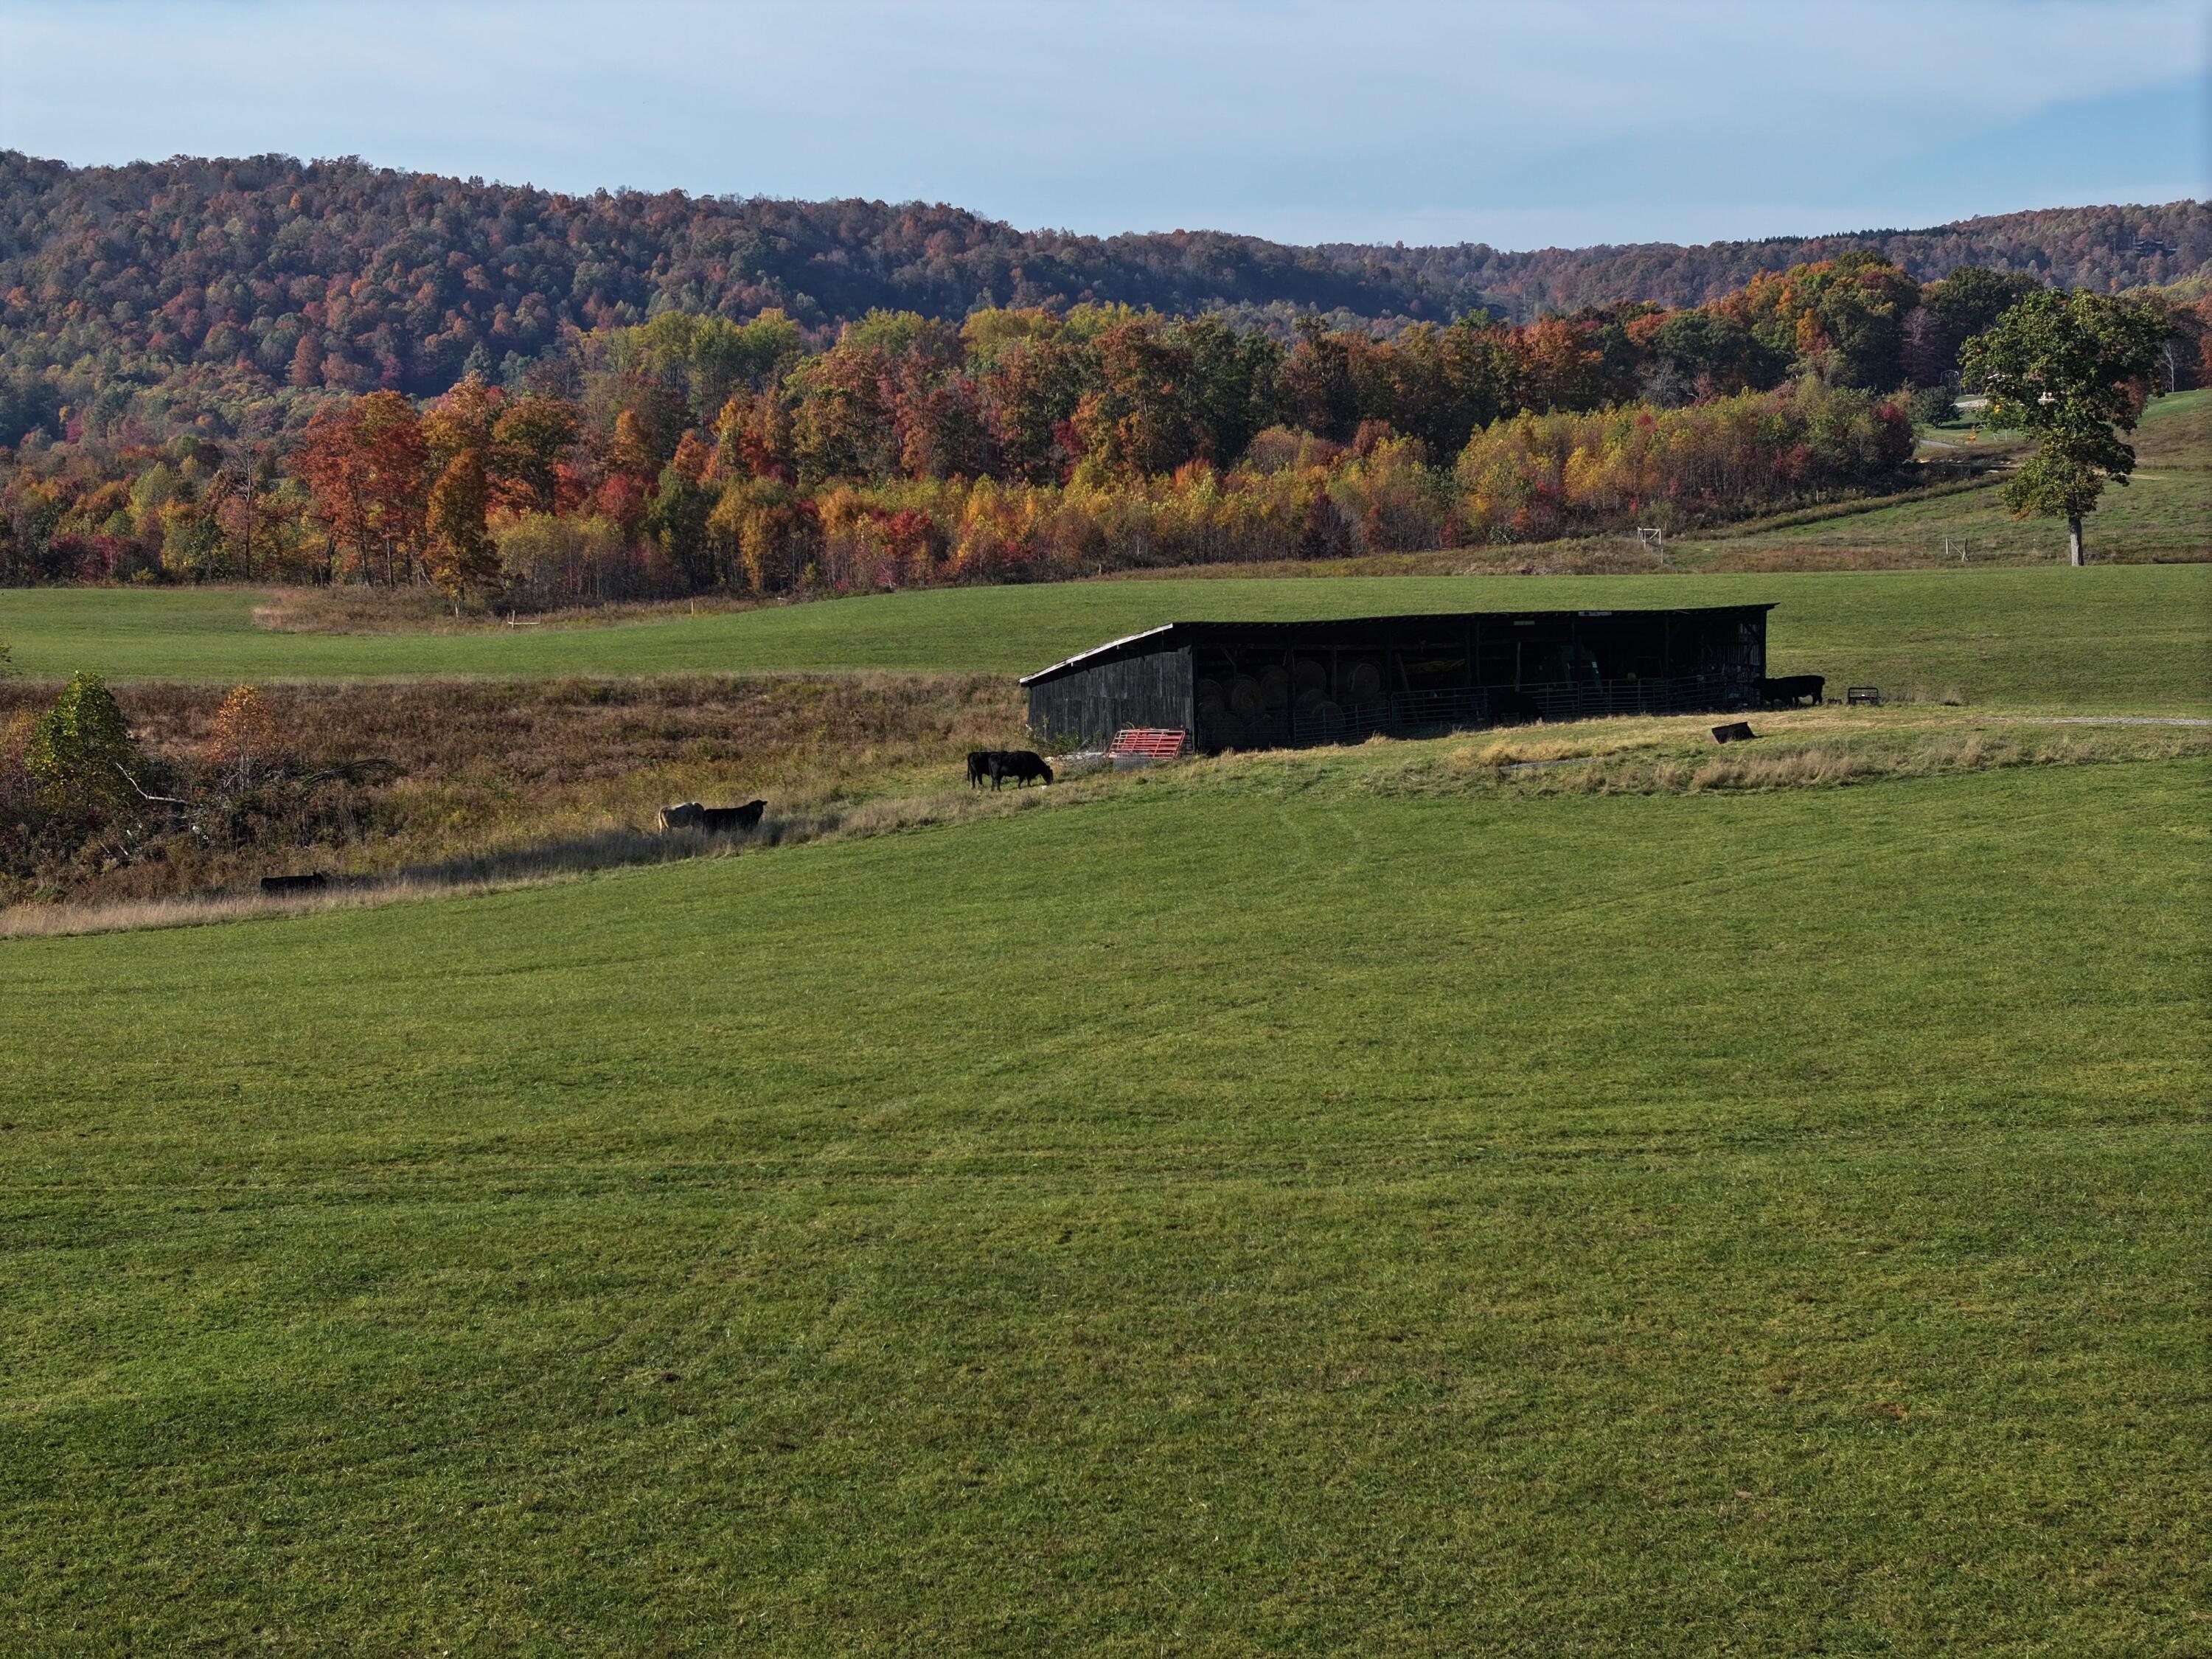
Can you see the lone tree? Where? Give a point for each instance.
(2072, 371)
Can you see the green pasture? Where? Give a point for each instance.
(2165, 513)
(1252, 1209)
(2106, 638)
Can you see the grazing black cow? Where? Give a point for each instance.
(295, 883)
(1022, 765)
(732, 820)
(979, 767)
(715, 820)
(1784, 692)
(1515, 706)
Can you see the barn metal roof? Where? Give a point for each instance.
(1173, 636)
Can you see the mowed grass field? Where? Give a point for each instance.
(2118, 638)
(1252, 1211)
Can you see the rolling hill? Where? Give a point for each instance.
(203, 279)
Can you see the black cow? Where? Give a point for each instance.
(715, 820)
(1784, 692)
(979, 767)
(732, 820)
(295, 883)
(1022, 765)
(1515, 706)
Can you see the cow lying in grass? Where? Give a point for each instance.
(1022, 765)
(1784, 692)
(714, 820)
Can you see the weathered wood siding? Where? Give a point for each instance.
(1086, 709)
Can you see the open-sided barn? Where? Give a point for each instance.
(1257, 684)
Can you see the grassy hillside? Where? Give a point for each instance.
(2115, 637)
(1266, 1208)
(2165, 514)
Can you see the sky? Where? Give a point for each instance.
(1519, 125)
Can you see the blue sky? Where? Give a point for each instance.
(1521, 124)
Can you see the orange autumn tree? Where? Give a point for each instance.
(458, 554)
(458, 433)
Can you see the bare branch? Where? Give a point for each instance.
(165, 800)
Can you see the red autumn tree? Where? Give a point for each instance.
(366, 463)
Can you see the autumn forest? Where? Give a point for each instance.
(263, 371)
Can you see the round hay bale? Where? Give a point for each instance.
(1309, 674)
(1244, 699)
(1309, 699)
(1328, 718)
(1209, 690)
(1362, 683)
(1276, 688)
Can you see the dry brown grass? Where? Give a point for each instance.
(1815, 762)
(1505, 752)
(533, 865)
(1809, 747)
(502, 771)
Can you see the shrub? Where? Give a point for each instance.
(81, 754)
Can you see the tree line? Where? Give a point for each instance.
(692, 452)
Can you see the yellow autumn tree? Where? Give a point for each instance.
(242, 737)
